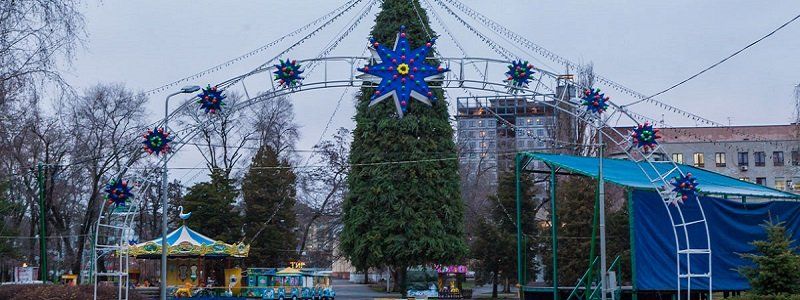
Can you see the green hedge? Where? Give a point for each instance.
(52, 292)
(767, 297)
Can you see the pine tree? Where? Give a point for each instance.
(211, 204)
(403, 214)
(495, 246)
(268, 192)
(777, 263)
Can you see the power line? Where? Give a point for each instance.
(717, 63)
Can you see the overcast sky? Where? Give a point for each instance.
(645, 45)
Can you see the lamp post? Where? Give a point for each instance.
(164, 189)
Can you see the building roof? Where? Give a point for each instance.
(629, 173)
(186, 242)
(726, 133)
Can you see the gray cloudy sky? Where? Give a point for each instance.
(646, 45)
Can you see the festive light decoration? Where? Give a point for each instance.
(401, 73)
(594, 101)
(685, 186)
(118, 192)
(519, 74)
(156, 141)
(132, 242)
(211, 99)
(645, 136)
(288, 73)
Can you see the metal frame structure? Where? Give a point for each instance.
(458, 78)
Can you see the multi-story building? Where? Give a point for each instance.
(767, 155)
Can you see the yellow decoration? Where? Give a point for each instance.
(402, 69)
(185, 291)
(186, 249)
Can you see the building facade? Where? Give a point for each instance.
(766, 155)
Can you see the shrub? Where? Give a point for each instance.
(50, 292)
(776, 267)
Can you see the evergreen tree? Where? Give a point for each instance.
(212, 207)
(495, 246)
(404, 214)
(777, 263)
(268, 192)
(6, 207)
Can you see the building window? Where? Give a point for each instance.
(677, 158)
(795, 158)
(472, 123)
(540, 132)
(483, 133)
(795, 184)
(777, 158)
(743, 159)
(483, 154)
(483, 144)
(480, 123)
(761, 180)
(744, 178)
(699, 160)
(529, 121)
(780, 183)
(538, 121)
(719, 158)
(760, 158)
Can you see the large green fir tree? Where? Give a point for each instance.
(268, 191)
(776, 263)
(211, 204)
(402, 214)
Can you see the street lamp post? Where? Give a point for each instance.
(164, 189)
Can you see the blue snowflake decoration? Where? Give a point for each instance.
(594, 100)
(211, 99)
(645, 136)
(401, 73)
(519, 74)
(118, 192)
(156, 141)
(685, 186)
(288, 73)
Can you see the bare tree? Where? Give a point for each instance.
(276, 125)
(107, 122)
(324, 188)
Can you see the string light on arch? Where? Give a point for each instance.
(287, 73)
(519, 74)
(595, 101)
(156, 141)
(685, 186)
(401, 73)
(211, 99)
(118, 192)
(645, 136)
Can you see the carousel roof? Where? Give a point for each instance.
(184, 242)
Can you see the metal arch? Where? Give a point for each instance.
(458, 80)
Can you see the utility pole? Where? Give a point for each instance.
(42, 225)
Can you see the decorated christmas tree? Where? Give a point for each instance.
(407, 213)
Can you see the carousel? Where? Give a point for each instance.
(196, 264)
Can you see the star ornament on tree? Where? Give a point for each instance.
(685, 186)
(156, 141)
(518, 75)
(594, 100)
(401, 73)
(211, 99)
(645, 136)
(287, 73)
(118, 192)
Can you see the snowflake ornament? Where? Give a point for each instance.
(287, 73)
(156, 141)
(118, 192)
(401, 73)
(645, 136)
(685, 186)
(518, 75)
(595, 101)
(211, 99)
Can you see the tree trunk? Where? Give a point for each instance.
(366, 275)
(507, 286)
(494, 284)
(400, 281)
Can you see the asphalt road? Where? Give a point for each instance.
(347, 290)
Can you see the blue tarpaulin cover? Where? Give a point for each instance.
(630, 174)
(732, 224)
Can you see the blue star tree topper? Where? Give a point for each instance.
(211, 99)
(685, 186)
(118, 192)
(401, 73)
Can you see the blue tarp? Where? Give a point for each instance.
(630, 174)
(732, 226)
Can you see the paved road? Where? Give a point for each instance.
(347, 290)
